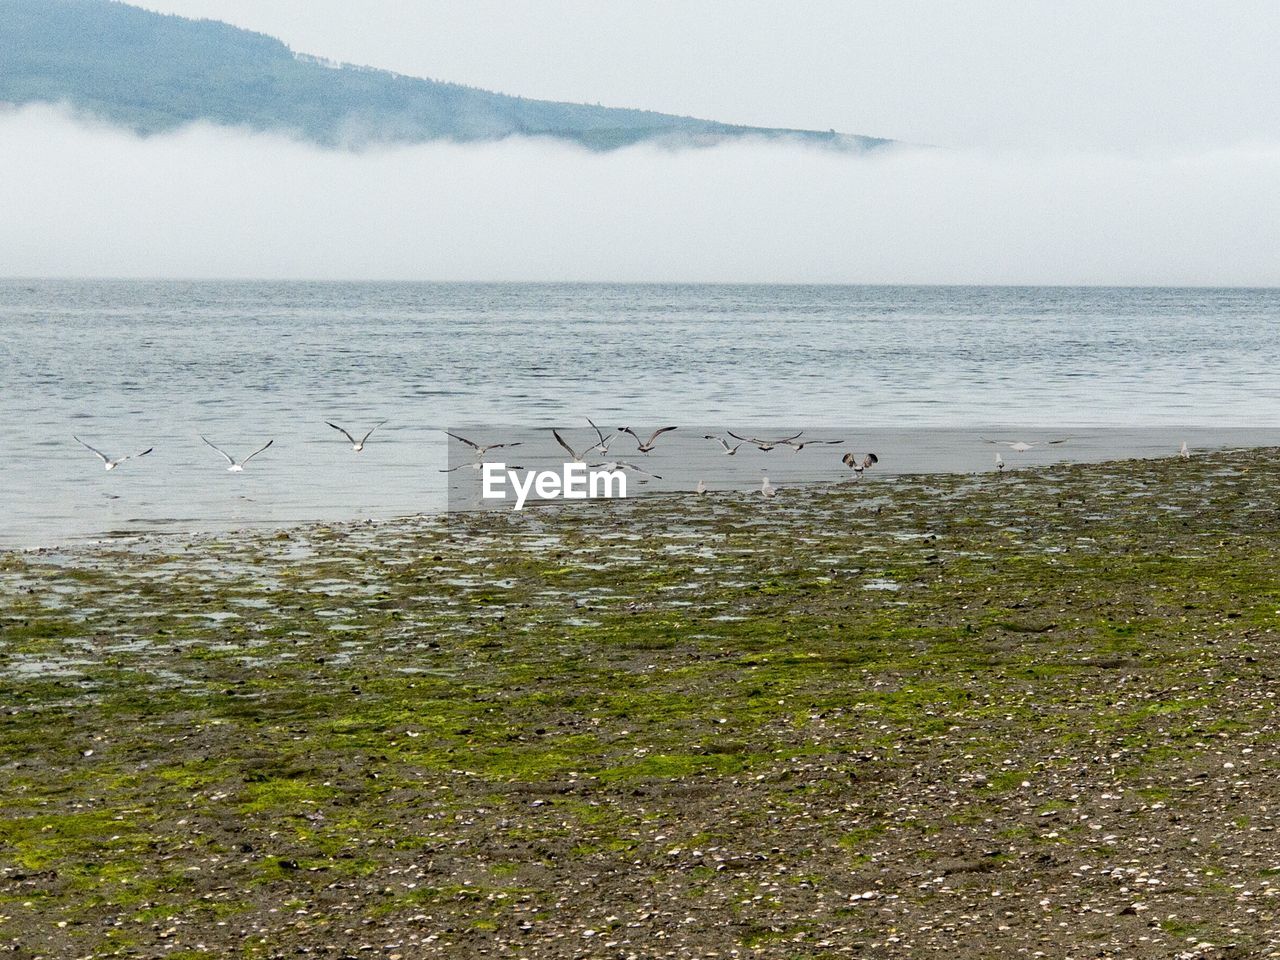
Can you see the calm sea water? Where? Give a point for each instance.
(127, 365)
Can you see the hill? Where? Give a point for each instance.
(154, 72)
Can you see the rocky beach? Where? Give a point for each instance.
(1030, 714)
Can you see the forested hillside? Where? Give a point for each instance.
(153, 72)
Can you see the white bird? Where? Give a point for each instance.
(357, 445)
(1183, 452)
(578, 456)
(602, 442)
(797, 447)
(765, 445)
(728, 450)
(237, 466)
(107, 461)
(480, 450)
(613, 465)
(866, 463)
(999, 463)
(701, 488)
(478, 464)
(644, 446)
(767, 489)
(1022, 446)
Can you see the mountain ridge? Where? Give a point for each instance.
(154, 72)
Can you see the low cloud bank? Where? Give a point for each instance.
(84, 200)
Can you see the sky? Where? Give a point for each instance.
(1071, 142)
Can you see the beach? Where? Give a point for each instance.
(1029, 714)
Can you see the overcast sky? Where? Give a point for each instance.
(1122, 74)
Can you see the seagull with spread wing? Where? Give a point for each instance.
(765, 445)
(603, 442)
(480, 449)
(613, 465)
(1022, 446)
(728, 450)
(108, 462)
(357, 445)
(858, 466)
(797, 447)
(580, 456)
(237, 466)
(644, 446)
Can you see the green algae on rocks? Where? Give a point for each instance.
(1017, 713)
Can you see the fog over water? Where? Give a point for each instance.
(82, 199)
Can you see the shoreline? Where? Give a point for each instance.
(267, 528)
(280, 497)
(951, 712)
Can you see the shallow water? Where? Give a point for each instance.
(127, 365)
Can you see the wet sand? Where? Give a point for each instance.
(1021, 715)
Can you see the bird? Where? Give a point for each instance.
(701, 488)
(1183, 452)
(622, 464)
(644, 446)
(237, 466)
(765, 445)
(1022, 446)
(797, 447)
(999, 463)
(477, 464)
(728, 450)
(107, 461)
(578, 456)
(767, 489)
(603, 442)
(866, 463)
(357, 445)
(478, 448)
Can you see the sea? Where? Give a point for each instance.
(924, 376)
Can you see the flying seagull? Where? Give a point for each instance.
(728, 450)
(579, 456)
(603, 442)
(1022, 446)
(237, 466)
(477, 464)
(644, 446)
(765, 445)
(357, 445)
(107, 461)
(797, 447)
(616, 464)
(866, 463)
(482, 450)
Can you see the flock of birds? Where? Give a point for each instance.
(596, 455)
(583, 455)
(647, 444)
